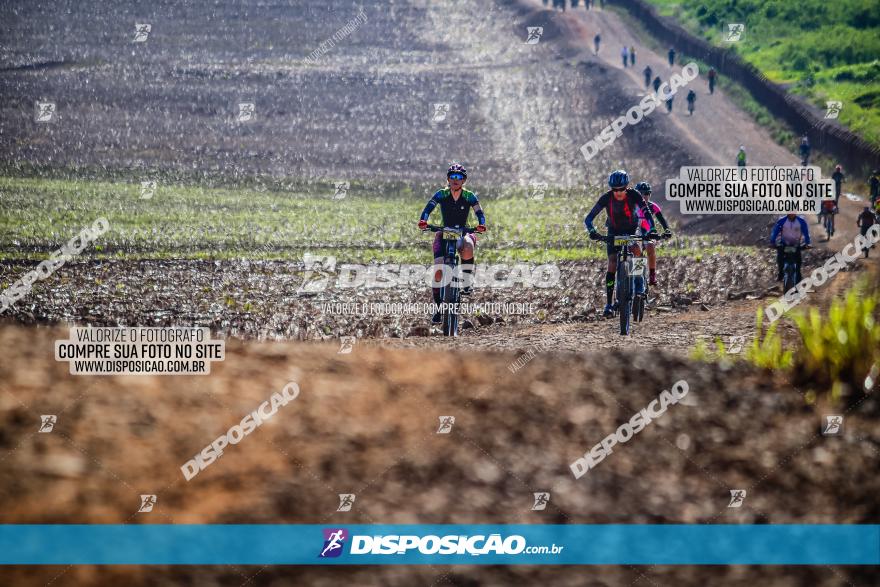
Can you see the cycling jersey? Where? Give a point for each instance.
(866, 219)
(454, 212)
(655, 210)
(791, 230)
(622, 217)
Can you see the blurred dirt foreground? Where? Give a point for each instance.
(366, 423)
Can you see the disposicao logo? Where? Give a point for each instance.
(334, 540)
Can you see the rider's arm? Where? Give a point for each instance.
(662, 220)
(432, 203)
(777, 228)
(600, 205)
(478, 210)
(805, 230)
(646, 210)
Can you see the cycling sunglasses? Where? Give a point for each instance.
(618, 189)
(455, 176)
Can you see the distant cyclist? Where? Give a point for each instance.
(632, 56)
(838, 178)
(657, 83)
(866, 220)
(791, 229)
(741, 157)
(620, 204)
(671, 56)
(644, 188)
(669, 102)
(828, 210)
(596, 40)
(624, 54)
(647, 73)
(712, 75)
(805, 150)
(691, 98)
(455, 205)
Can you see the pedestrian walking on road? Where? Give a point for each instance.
(805, 150)
(657, 83)
(648, 73)
(838, 178)
(671, 57)
(624, 54)
(712, 75)
(632, 56)
(874, 186)
(596, 40)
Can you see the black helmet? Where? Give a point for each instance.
(618, 179)
(643, 187)
(456, 168)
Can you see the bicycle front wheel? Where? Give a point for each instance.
(624, 299)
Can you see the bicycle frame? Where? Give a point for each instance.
(791, 267)
(630, 286)
(450, 290)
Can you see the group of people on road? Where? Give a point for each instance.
(648, 72)
(588, 4)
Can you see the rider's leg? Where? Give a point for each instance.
(652, 264)
(609, 276)
(467, 261)
(438, 276)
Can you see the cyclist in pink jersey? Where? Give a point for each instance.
(644, 188)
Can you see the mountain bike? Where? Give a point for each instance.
(829, 224)
(450, 290)
(630, 290)
(791, 265)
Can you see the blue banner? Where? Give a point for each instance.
(479, 544)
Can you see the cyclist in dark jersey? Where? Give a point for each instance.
(620, 204)
(838, 178)
(455, 205)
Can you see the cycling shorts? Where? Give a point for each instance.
(438, 243)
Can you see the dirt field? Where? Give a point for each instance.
(118, 437)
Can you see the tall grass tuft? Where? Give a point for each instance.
(766, 350)
(840, 347)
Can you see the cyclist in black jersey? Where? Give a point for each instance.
(620, 204)
(455, 205)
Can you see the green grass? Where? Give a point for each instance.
(375, 223)
(841, 346)
(838, 357)
(821, 50)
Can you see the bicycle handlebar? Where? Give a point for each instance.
(642, 238)
(782, 246)
(437, 228)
